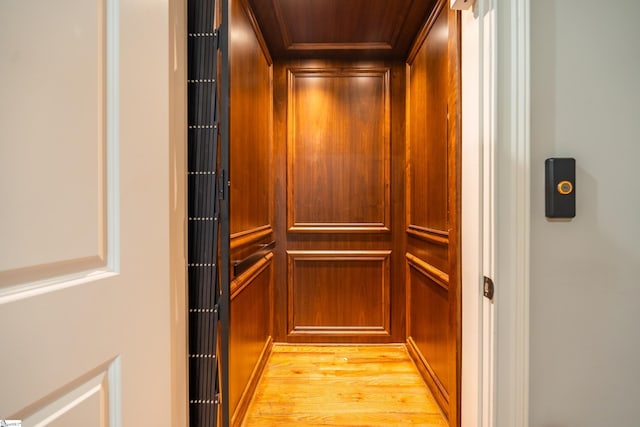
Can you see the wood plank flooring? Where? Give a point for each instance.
(342, 385)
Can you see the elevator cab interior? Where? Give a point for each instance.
(345, 180)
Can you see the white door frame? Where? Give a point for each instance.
(496, 213)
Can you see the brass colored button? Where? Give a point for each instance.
(565, 187)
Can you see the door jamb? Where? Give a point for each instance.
(496, 135)
(512, 232)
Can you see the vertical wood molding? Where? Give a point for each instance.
(513, 210)
(454, 196)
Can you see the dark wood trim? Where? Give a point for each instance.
(282, 26)
(439, 277)
(454, 201)
(433, 236)
(339, 46)
(322, 228)
(424, 30)
(245, 279)
(245, 399)
(258, 32)
(245, 238)
(434, 384)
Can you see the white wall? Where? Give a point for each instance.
(585, 274)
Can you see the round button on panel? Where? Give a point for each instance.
(565, 187)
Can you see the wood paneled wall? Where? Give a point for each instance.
(250, 130)
(365, 182)
(339, 157)
(251, 198)
(433, 207)
(338, 150)
(250, 333)
(338, 292)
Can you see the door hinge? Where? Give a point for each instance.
(222, 185)
(216, 38)
(489, 288)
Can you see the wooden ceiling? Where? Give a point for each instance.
(340, 28)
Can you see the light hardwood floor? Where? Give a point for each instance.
(342, 385)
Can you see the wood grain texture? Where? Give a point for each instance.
(250, 127)
(250, 332)
(338, 150)
(338, 28)
(339, 293)
(455, 215)
(433, 206)
(427, 166)
(342, 386)
(327, 240)
(428, 320)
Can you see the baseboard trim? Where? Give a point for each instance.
(433, 382)
(250, 389)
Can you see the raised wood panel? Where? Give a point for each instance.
(338, 165)
(428, 138)
(331, 28)
(428, 325)
(433, 206)
(250, 126)
(250, 333)
(339, 292)
(326, 239)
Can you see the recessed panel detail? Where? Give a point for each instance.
(338, 292)
(338, 151)
(54, 145)
(87, 401)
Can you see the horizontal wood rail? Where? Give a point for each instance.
(243, 265)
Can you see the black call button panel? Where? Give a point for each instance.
(560, 187)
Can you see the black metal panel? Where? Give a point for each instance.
(560, 191)
(207, 245)
(224, 193)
